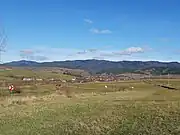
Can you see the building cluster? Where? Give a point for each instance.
(3, 68)
(109, 78)
(40, 79)
(102, 78)
(96, 78)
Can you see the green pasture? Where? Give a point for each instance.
(17, 73)
(92, 110)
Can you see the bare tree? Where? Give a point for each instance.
(3, 42)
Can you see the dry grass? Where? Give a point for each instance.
(143, 110)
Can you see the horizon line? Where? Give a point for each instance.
(93, 59)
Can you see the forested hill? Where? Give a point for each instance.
(103, 66)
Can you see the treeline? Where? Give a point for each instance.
(116, 71)
(153, 71)
(165, 71)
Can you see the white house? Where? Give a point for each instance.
(39, 79)
(28, 79)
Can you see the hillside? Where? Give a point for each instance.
(19, 73)
(101, 66)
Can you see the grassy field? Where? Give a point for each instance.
(93, 110)
(18, 73)
(127, 107)
(171, 82)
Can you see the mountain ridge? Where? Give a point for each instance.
(101, 66)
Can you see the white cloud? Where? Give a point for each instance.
(88, 51)
(42, 54)
(98, 31)
(30, 54)
(127, 52)
(88, 21)
(131, 50)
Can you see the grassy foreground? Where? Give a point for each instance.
(145, 110)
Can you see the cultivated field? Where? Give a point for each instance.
(122, 108)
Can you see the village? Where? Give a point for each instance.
(95, 78)
(79, 78)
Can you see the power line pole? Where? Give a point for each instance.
(160, 76)
(168, 79)
(3, 41)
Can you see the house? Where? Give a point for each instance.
(73, 79)
(64, 81)
(3, 68)
(28, 79)
(39, 79)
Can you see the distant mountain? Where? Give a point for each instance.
(22, 63)
(102, 66)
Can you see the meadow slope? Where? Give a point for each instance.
(94, 110)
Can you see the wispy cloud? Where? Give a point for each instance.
(98, 58)
(26, 52)
(92, 50)
(98, 31)
(38, 58)
(82, 52)
(88, 21)
(102, 53)
(164, 39)
(32, 55)
(60, 54)
(87, 51)
(129, 51)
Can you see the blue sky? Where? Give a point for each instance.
(52, 30)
